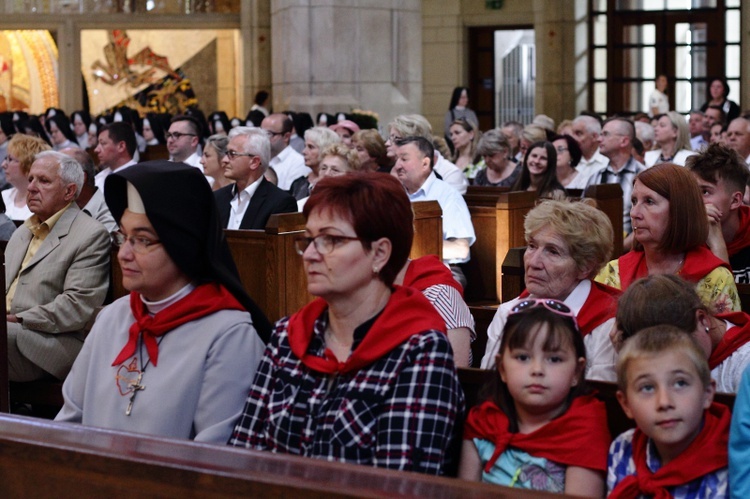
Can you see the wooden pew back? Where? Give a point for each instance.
(608, 198)
(47, 459)
(428, 229)
(498, 216)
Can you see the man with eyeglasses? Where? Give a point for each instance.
(616, 143)
(115, 148)
(56, 272)
(183, 139)
(288, 164)
(251, 200)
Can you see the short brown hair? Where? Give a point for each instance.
(353, 196)
(657, 340)
(688, 224)
(720, 162)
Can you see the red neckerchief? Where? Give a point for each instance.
(578, 437)
(706, 454)
(407, 313)
(699, 262)
(599, 307)
(733, 338)
(203, 300)
(742, 237)
(429, 271)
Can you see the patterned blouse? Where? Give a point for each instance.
(399, 413)
(716, 290)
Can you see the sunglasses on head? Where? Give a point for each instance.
(554, 306)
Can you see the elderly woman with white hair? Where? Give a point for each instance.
(673, 138)
(316, 139)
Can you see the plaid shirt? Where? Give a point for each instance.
(398, 413)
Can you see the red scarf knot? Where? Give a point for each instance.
(406, 314)
(706, 454)
(202, 301)
(578, 437)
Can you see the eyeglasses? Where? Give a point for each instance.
(234, 154)
(610, 134)
(178, 135)
(394, 139)
(554, 306)
(562, 149)
(271, 134)
(324, 243)
(140, 245)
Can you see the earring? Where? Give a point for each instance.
(375, 270)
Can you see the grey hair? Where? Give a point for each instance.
(644, 132)
(322, 136)
(70, 171)
(219, 142)
(412, 125)
(591, 123)
(492, 142)
(256, 142)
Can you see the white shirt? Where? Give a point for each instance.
(102, 175)
(289, 165)
(451, 174)
(600, 353)
(240, 202)
(591, 166)
(728, 374)
(194, 160)
(652, 157)
(456, 218)
(14, 212)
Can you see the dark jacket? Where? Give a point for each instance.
(267, 200)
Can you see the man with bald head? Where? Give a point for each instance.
(616, 143)
(251, 200)
(738, 137)
(288, 164)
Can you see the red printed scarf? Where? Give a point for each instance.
(407, 313)
(202, 301)
(599, 307)
(699, 262)
(429, 271)
(706, 454)
(733, 338)
(742, 237)
(579, 437)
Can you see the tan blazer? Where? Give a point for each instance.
(60, 289)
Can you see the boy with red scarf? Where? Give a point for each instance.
(722, 175)
(679, 448)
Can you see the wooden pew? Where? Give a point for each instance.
(47, 459)
(151, 153)
(498, 217)
(428, 229)
(608, 198)
(472, 381)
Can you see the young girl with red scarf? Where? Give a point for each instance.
(679, 448)
(538, 429)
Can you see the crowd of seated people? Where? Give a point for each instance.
(367, 373)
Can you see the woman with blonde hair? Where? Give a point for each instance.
(213, 152)
(316, 139)
(21, 152)
(465, 138)
(672, 135)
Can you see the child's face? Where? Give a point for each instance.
(666, 397)
(539, 380)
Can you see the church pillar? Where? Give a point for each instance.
(254, 52)
(333, 56)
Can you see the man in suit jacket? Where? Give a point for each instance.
(56, 273)
(251, 200)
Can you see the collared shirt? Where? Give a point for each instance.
(240, 202)
(102, 175)
(289, 165)
(589, 167)
(698, 142)
(625, 177)
(456, 218)
(620, 464)
(40, 231)
(98, 210)
(193, 160)
(600, 354)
